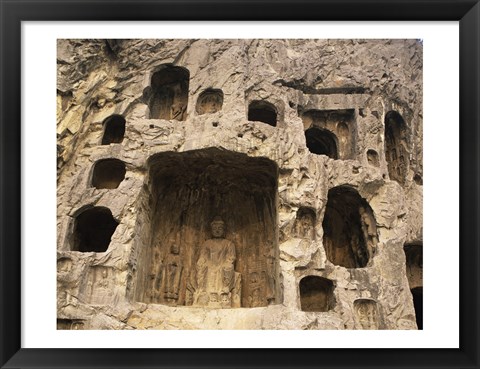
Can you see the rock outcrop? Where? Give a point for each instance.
(239, 184)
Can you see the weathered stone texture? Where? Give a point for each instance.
(309, 150)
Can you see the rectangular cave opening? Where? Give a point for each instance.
(330, 132)
(212, 238)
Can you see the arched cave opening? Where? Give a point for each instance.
(262, 111)
(321, 142)
(316, 294)
(396, 148)
(113, 129)
(330, 132)
(414, 270)
(350, 233)
(366, 314)
(304, 226)
(209, 235)
(372, 158)
(93, 230)
(209, 101)
(169, 97)
(108, 173)
(417, 294)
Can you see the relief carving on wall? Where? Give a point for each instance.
(214, 281)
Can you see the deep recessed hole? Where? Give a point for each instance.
(372, 157)
(66, 97)
(186, 259)
(350, 232)
(321, 142)
(93, 230)
(417, 294)
(108, 173)
(414, 264)
(152, 126)
(169, 95)
(418, 179)
(316, 294)
(262, 111)
(215, 124)
(114, 129)
(209, 101)
(240, 135)
(414, 270)
(304, 226)
(396, 149)
(338, 129)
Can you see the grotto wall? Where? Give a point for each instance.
(239, 184)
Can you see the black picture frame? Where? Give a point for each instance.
(467, 12)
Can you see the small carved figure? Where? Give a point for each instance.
(77, 325)
(162, 103)
(255, 299)
(369, 229)
(270, 278)
(102, 292)
(304, 224)
(209, 102)
(366, 314)
(173, 273)
(225, 300)
(215, 274)
(155, 278)
(177, 110)
(103, 282)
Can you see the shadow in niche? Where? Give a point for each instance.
(417, 294)
(262, 111)
(183, 194)
(321, 142)
(93, 230)
(169, 96)
(108, 173)
(114, 129)
(414, 270)
(330, 132)
(350, 232)
(396, 147)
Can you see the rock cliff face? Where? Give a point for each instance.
(239, 184)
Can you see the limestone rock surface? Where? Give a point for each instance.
(310, 151)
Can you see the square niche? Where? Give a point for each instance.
(207, 231)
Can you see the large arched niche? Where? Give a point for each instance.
(349, 228)
(184, 192)
(169, 93)
(396, 147)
